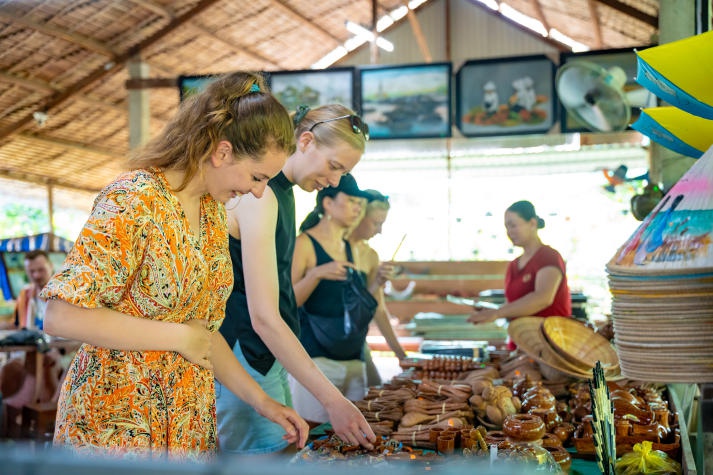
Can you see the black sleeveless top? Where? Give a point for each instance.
(326, 300)
(237, 325)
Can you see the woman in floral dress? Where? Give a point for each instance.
(146, 283)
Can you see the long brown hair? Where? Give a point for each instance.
(236, 107)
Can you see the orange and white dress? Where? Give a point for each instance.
(137, 256)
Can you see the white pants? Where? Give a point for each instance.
(348, 376)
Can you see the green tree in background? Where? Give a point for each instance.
(19, 219)
(22, 219)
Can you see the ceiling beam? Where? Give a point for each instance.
(66, 35)
(631, 11)
(234, 48)
(555, 44)
(55, 142)
(28, 83)
(44, 86)
(596, 24)
(540, 14)
(108, 69)
(304, 19)
(157, 9)
(420, 39)
(43, 180)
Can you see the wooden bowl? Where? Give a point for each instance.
(579, 344)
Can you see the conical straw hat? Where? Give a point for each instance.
(527, 334)
(679, 72)
(677, 236)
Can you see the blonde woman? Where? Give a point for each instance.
(261, 322)
(376, 212)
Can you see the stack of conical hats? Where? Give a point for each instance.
(661, 281)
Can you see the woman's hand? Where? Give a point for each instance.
(335, 270)
(296, 429)
(481, 315)
(349, 424)
(197, 346)
(386, 271)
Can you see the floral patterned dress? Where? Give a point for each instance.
(137, 256)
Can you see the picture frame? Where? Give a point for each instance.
(314, 87)
(506, 96)
(191, 84)
(624, 58)
(407, 101)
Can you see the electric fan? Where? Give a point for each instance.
(595, 95)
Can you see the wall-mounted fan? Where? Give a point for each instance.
(595, 95)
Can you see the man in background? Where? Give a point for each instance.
(30, 308)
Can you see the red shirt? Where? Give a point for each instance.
(520, 282)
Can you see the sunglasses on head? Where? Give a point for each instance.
(358, 125)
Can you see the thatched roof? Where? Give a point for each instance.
(69, 58)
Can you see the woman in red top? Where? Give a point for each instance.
(535, 282)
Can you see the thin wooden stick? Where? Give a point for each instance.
(393, 256)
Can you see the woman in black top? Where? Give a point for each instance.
(261, 315)
(322, 259)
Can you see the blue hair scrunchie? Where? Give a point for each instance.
(300, 114)
(255, 88)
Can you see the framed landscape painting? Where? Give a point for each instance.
(188, 85)
(410, 101)
(313, 87)
(506, 96)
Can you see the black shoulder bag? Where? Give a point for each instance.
(344, 337)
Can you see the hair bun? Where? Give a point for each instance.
(540, 223)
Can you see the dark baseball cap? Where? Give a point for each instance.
(347, 185)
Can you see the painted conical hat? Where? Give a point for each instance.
(677, 236)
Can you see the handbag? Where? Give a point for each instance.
(343, 337)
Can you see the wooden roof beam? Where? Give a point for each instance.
(233, 48)
(66, 35)
(55, 142)
(597, 25)
(43, 86)
(304, 19)
(109, 68)
(28, 83)
(159, 10)
(420, 39)
(631, 11)
(540, 14)
(42, 180)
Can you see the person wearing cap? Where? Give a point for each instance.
(535, 282)
(323, 258)
(377, 209)
(261, 323)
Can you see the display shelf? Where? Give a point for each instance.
(433, 280)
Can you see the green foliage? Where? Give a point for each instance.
(19, 219)
(22, 219)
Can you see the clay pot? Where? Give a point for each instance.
(524, 427)
(562, 457)
(548, 416)
(551, 440)
(564, 432)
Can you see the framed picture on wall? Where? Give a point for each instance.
(313, 87)
(506, 96)
(625, 59)
(188, 85)
(407, 101)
